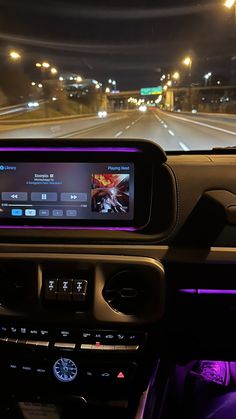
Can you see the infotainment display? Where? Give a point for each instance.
(66, 191)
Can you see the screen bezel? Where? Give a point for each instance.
(142, 190)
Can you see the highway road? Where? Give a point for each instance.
(173, 131)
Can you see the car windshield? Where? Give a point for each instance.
(158, 70)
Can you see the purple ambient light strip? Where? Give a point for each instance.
(74, 149)
(71, 149)
(68, 228)
(207, 291)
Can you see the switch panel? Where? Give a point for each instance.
(50, 291)
(79, 289)
(65, 289)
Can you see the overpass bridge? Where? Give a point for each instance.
(202, 98)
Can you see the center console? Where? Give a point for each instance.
(78, 325)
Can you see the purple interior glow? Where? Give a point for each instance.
(75, 149)
(68, 228)
(207, 291)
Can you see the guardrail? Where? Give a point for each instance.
(43, 120)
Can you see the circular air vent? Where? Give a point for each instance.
(125, 292)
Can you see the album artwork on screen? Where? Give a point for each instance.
(110, 193)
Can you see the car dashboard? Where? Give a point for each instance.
(113, 256)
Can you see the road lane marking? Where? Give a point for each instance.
(119, 133)
(171, 133)
(157, 117)
(78, 132)
(165, 126)
(136, 120)
(226, 131)
(132, 123)
(128, 126)
(184, 146)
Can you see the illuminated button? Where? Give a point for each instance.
(33, 332)
(105, 374)
(14, 196)
(23, 331)
(87, 335)
(44, 196)
(86, 346)
(3, 330)
(74, 197)
(44, 332)
(16, 212)
(64, 345)
(64, 333)
(120, 375)
(30, 212)
(97, 347)
(41, 370)
(13, 330)
(109, 347)
(89, 374)
(109, 337)
(44, 213)
(98, 335)
(132, 347)
(42, 343)
(26, 368)
(13, 366)
(79, 289)
(57, 213)
(71, 213)
(50, 289)
(64, 289)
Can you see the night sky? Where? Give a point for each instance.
(132, 42)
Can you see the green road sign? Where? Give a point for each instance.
(148, 91)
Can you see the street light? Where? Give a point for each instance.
(176, 75)
(79, 79)
(169, 83)
(107, 90)
(188, 63)
(112, 82)
(33, 83)
(14, 55)
(45, 65)
(207, 77)
(97, 86)
(230, 3)
(54, 70)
